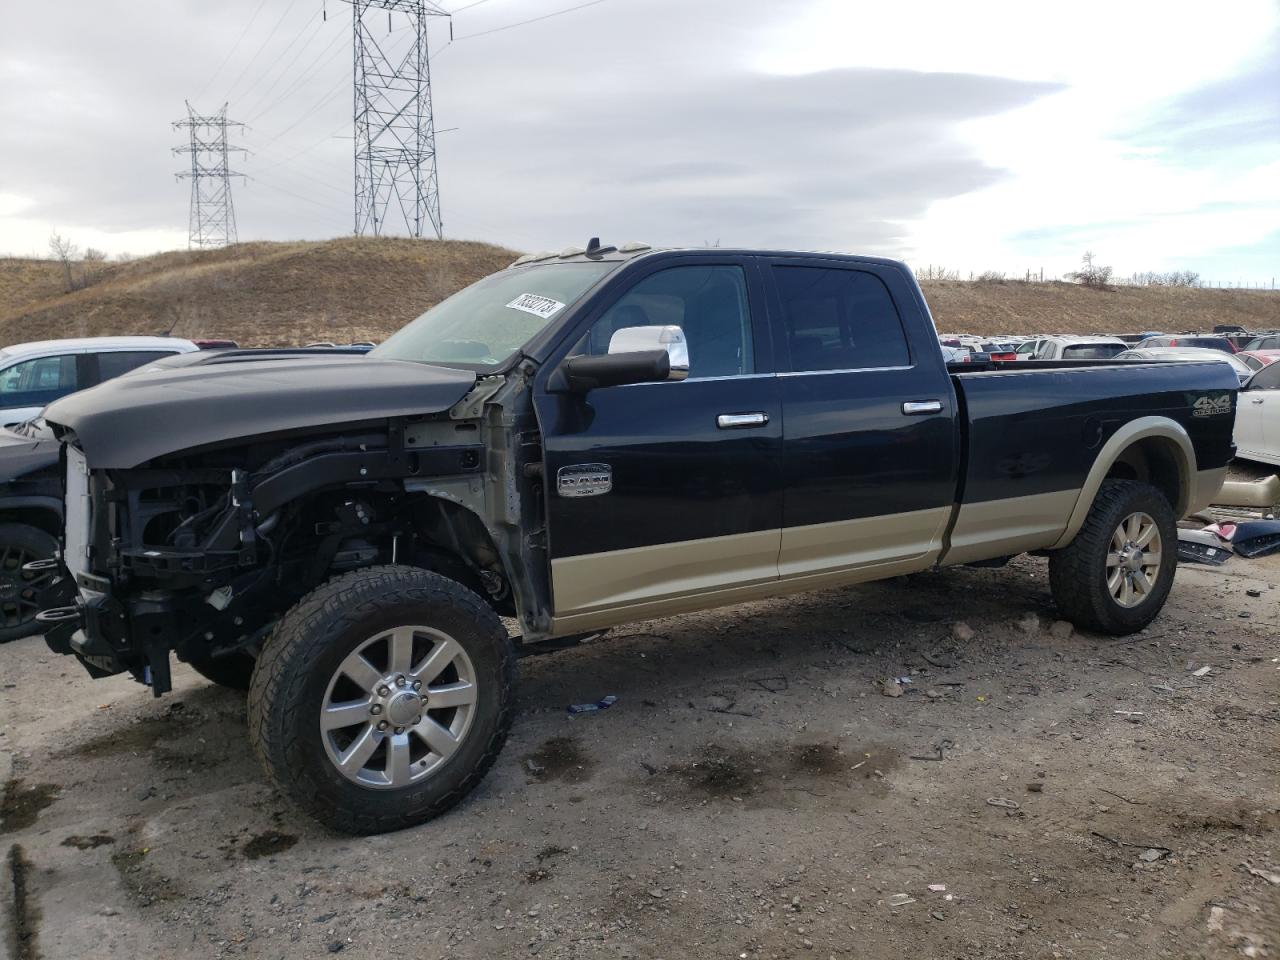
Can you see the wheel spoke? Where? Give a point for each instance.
(451, 695)
(361, 671)
(1113, 560)
(397, 768)
(348, 714)
(437, 737)
(1141, 583)
(353, 759)
(401, 650)
(1150, 560)
(1114, 581)
(440, 657)
(1147, 535)
(1131, 527)
(1126, 591)
(1117, 539)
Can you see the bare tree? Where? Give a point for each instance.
(1090, 274)
(66, 253)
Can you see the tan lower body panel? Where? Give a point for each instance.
(623, 586)
(1208, 483)
(1006, 527)
(662, 572)
(822, 548)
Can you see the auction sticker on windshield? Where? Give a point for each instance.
(543, 307)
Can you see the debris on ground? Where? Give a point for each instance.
(602, 704)
(1152, 854)
(1061, 630)
(1256, 538)
(891, 688)
(962, 631)
(900, 900)
(1271, 876)
(1003, 802)
(1201, 546)
(1202, 672)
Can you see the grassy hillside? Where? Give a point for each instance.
(255, 293)
(361, 288)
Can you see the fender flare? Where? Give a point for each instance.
(1133, 432)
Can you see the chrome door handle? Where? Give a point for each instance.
(1255, 400)
(914, 408)
(736, 421)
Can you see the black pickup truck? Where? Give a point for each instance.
(582, 440)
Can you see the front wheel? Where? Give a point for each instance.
(1115, 576)
(19, 589)
(382, 698)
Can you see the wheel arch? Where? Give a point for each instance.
(1154, 450)
(43, 513)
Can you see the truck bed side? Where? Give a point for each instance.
(1038, 440)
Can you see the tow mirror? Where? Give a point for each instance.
(651, 354)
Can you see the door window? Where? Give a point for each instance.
(34, 383)
(117, 362)
(839, 319)
(1268, 378)
(709, 303)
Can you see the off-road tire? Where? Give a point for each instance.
(21, 543)
(304, 651)
(233, 671)
(1078, 572)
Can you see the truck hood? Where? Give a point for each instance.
(159, 409)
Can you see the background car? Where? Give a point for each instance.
(1257, 432)
(1080, 348)
(1242, 369)
(1190, 340)
(1266, 341)
(33, 375)
(1257, 359)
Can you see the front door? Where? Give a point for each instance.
(869, 437)
(660, 493)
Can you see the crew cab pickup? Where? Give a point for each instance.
(582, 440)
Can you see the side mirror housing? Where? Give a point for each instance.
(651, 354)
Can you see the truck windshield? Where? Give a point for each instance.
(482, 325)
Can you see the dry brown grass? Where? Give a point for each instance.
(255, 293)
(1046, 308)
(363, 289)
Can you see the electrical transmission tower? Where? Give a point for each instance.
(213, 218)
(395, 135)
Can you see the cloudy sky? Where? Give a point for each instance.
(978, 135)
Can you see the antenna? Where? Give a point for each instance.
(395, 140)
(213, 217)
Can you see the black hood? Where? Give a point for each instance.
(161, 409)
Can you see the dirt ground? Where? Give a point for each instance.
(752, 794)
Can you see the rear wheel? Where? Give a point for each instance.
(19, 590)
(1115, 576)
(382, 698)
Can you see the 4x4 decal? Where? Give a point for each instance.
(1208, 406)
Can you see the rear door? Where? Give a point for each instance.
(682, 483)
(1257, 430)
(870, 445)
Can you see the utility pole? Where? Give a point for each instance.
(395, 139)
(213, 218)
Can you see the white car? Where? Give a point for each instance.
(1242, 370)
(1257, 433)
(33, 375)
(1079, 348)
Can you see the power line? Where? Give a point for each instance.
(523, 23)
(303, 76)
(467, 7)
(284, 71)
(261, 47)
(234, 47)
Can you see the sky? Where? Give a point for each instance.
(987, 135)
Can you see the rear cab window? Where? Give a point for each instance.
(838, 319)
(38, 381)
(116, 362)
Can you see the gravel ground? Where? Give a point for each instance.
(1032, 792)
